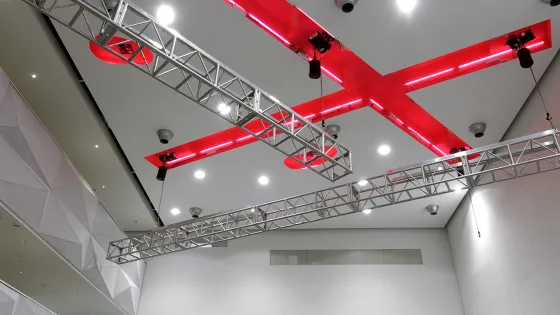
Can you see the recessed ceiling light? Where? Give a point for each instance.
(96, 146)
(165, 14)
(458, 188)
(224, 109)
(384, 149)
(33, 76)
(199, 174)
(175, 211)
(363, 182)
(21, 272)
(440, 168)
(103, 186)
(366, 211)
(263, 180)
(406, 6)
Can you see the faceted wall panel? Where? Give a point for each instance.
(38, 183)
(13, 303)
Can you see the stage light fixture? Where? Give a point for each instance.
(314, 69)
(321, 41)
(517, 43)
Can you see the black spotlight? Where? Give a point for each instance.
(517, 43)
(161, 173)
(525, 59)
(552, 3)
(314, 69)
(321, 41)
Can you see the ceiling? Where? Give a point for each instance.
(136, 106)
(64, 108)
(53, 282)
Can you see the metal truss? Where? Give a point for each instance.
(190, 71)
(511, 159)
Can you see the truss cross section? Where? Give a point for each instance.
(193, 73)
(507, 160)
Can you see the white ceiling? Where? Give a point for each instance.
(29, 265)
(55, 96)
(136, 106)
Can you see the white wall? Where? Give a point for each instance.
(514, 267)
(239, 279)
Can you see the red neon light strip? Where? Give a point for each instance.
(216, 147)
(496, 55)
(254, 18)
(340, 106)
(237, 5)
(419, 135)
(181, 158)
(275, 12)
(332, 75)
(430, 76)
(439, 150)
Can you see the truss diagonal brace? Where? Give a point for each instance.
(190, 71)
(511, 159)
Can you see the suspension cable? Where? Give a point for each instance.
(548, 116)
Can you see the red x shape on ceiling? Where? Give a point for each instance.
(363, 86)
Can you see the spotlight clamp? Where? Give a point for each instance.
(517, 43)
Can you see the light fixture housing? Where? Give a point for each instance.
(164, 135)
(195, 212)
(263, 180)
(165, 14)
(346, 6)
(478, 129)
(432, 209)
(175, 211)
(384, 149)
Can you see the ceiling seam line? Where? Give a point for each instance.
(123, 158)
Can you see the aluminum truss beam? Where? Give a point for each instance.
(190, 71)
(511, 159)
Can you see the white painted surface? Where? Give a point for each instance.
(135, 106)
(513, 267)
(239, 279)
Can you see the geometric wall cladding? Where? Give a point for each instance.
(39, 184)
(13, 303)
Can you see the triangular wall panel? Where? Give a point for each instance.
(14, 303)
(40, 185)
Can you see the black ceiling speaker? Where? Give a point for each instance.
(314, 69)
(161, 173)
(525, 59)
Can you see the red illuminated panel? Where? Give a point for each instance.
(291, 26)
(123, 47)
(235, 137)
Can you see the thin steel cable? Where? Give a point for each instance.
(548, 116)
(473, 212)
(161, 197)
